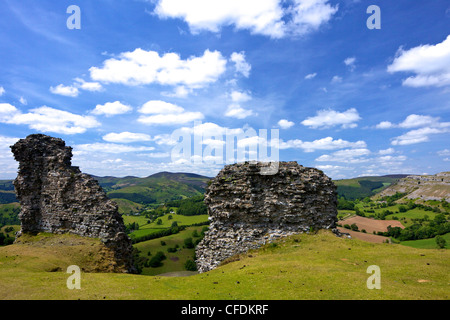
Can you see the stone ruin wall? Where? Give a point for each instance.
(56, 197)
(248, 209)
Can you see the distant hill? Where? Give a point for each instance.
(157, 188)
(425, 187)
(362, 187)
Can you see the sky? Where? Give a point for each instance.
(137, 87)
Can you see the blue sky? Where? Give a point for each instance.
(344, 98)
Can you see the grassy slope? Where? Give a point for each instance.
(427, 243)
(318, 266)
(175, 261)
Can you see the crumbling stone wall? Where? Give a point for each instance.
(247, 209)
(56, 197)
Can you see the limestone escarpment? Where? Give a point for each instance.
(56, 197)
(424, 187)
(247, 209)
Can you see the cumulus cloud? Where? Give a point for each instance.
(418, 135)
(236, 111)
(240, 64)
(126, 137)
(68, 91)
(285, 124)
(114, 148)
(111, 109)
(273, 18)
(430, 64)
(327, 143)
(141, 67)
(164, 113)
(330, 118)
(48, 119)
(74, 89)
(423, 126)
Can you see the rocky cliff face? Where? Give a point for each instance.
(424, 187)
(56, 197)
(247, 209)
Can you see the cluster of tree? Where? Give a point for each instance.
(189, 207)
(129, 228)
(420, 230)
(6, 239)
(366, 189)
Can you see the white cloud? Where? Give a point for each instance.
(68, 91)
(414, 121)
(146, 67)
(48, 119)
(88, 86)
(386, 151)
(310, 76)
(2, 91)
(23, 101)
(385, 125)
(418, 136)
(427, 125)
(98, 147)
(237, 96)
(330, 118)
(236, 111)
(240, 64)
(164, 113)
(171, 119)
(336, 79)
(327, 143)
(443, 153)
(285, 124)
(126, 137)
(350, 62)
(347, 155)
(111, 109)
(160, 107)
(7, 111)
(429, 63)
(273, 18)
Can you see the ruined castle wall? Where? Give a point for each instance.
(56, 197)
(247, 209)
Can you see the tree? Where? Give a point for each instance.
(188, 243)
(190, 265)
(159, 222)
(440, 241)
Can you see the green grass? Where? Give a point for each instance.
(175, 261)
(304, 267)
(149, 228)
(128, 207)
(427, 243)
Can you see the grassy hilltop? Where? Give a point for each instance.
(319, 266)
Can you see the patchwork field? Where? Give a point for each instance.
(371, 225)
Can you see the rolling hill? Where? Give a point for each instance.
(362, 187)
(158, 188)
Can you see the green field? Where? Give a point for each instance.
(427, 243)
(146, 228)
(175, 261)
(303, 267)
